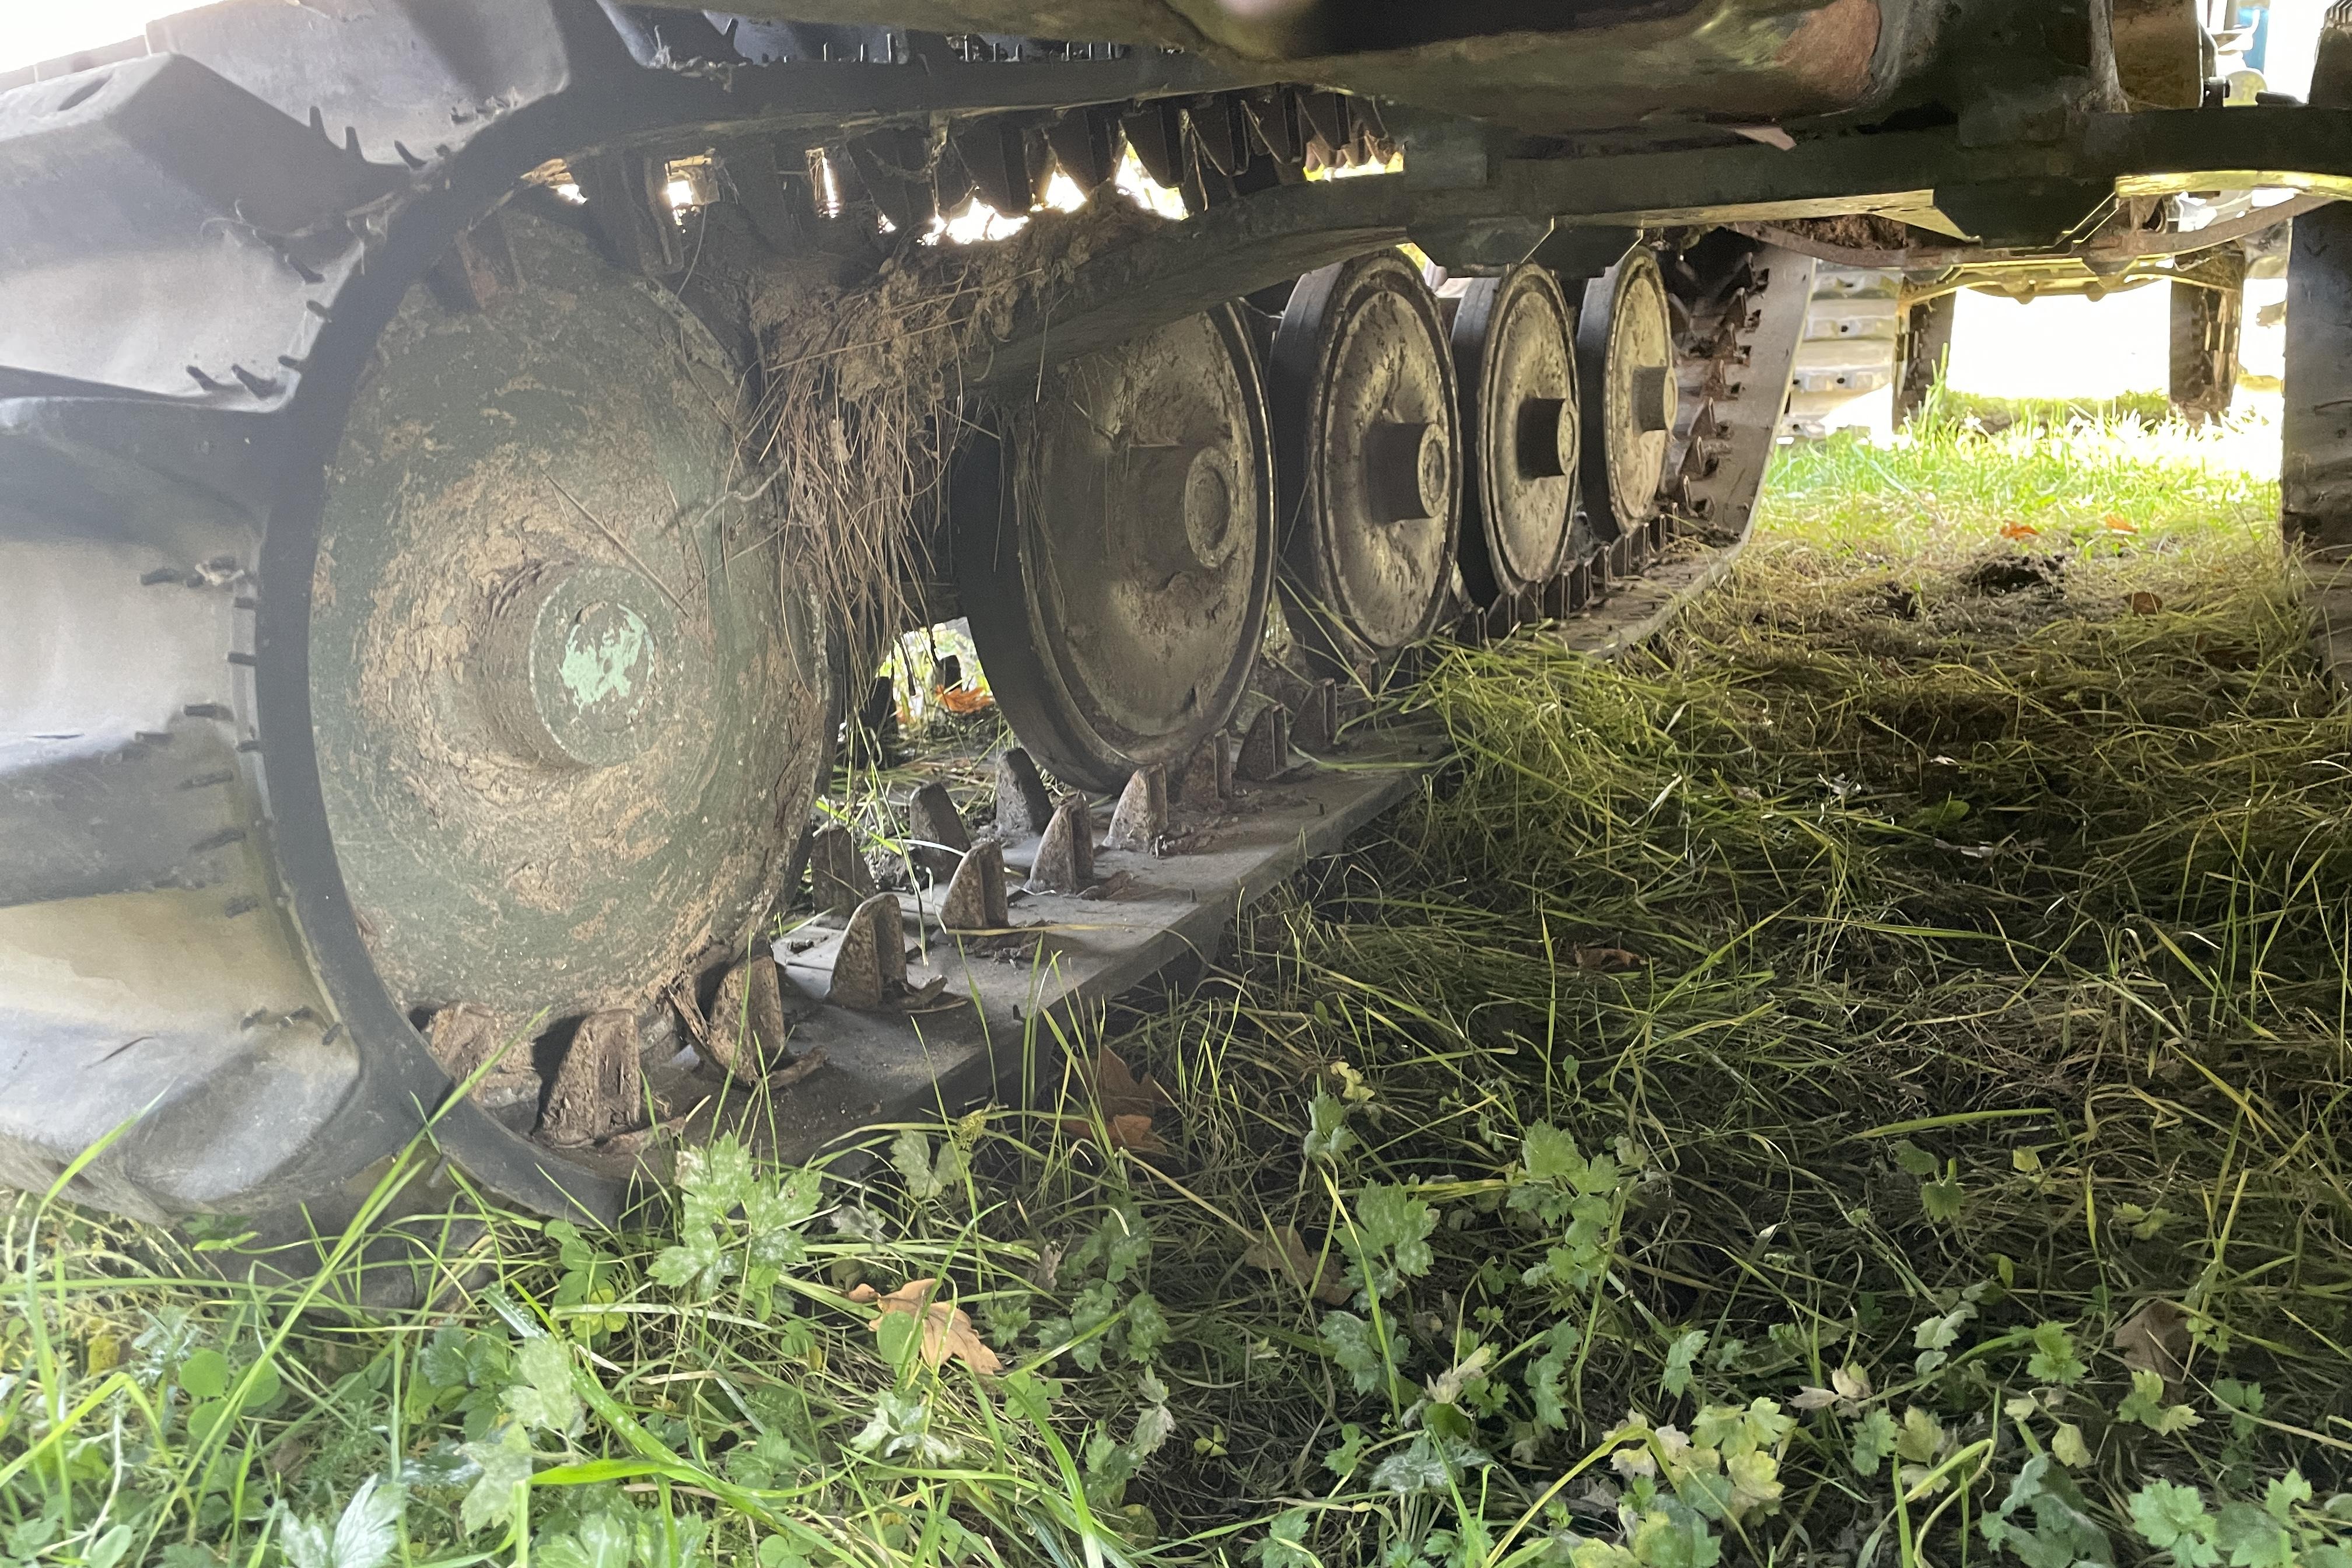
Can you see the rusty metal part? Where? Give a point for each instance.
(1141, 814)
(747, 1028)
(1514, 363)
(937, 828)
(1369, 455)
(1065, 861)
(1625, 364)
(1022, 804)
(599, 1087)
(2208, 312)
(869, 967)
(1746, 307)
(1115, 549)
(976, 897)
(839, 880)
(1208, 774)
(1265, 748)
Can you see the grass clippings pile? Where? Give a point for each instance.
(1859, 1083)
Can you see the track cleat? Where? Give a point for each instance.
(1066, 856)
(747, 1020)
(1208, 775)
(600, 1088)
(937, 829)
(1316, 727)
(1265, 750)
(1142, 813)
(976, 899)
(465, 1037)
(869, 969)
(838, 878)
(1023, 806)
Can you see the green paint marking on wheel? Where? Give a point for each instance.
(601, 655)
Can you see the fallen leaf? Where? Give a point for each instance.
(966, 700)
(1851, 1383)
(947, 1328)
(1608, 959)
(2155, 1338)
(1132, 1133)
(1122, 1092)
(2114, 524)
(1286, 1253)
(2020, 530)
(2144, 602)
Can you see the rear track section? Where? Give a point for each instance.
(408, 649)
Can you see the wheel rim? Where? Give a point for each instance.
(1115, 573)
(1625, 359)
(564, 697)
(1517, 364)
(1369, 452)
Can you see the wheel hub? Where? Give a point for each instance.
(584, 664)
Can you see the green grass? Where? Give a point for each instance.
(1732, 1116)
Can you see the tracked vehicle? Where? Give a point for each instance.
(453, 454)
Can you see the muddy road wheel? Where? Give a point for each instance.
(1368, 446)
(562, 699)
(1516, 362)
(493, 716)
(1625, 363)
(1114, 549)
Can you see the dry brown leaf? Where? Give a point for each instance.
(947, 1328)
(1131, 1131)
(1122, 1094)
(2019, 531)
(1608, 959)
(1284, 1252)
(2155, 1338)
(2144, 602)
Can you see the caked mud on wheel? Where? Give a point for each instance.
(566, 694)
(1113, 547)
